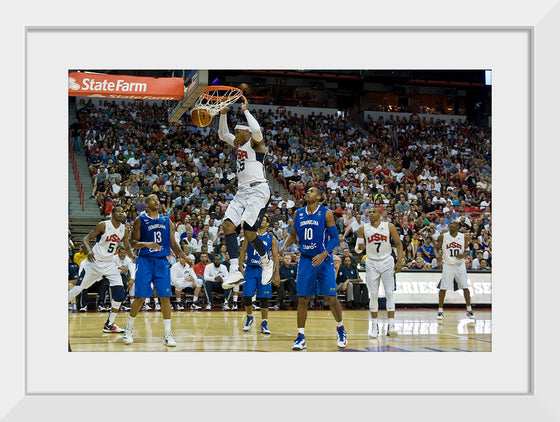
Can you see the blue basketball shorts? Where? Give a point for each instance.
(151, 270)
(318, 280)
(253, 283)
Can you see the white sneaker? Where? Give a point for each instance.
(157, 307)
(250, 321)
(226, 307)
(373, 330)
(209, 307)
(234, 279)
(391, 332)
(234, 306)
(127, 338)
(169, 340)
(195, 306)
(146, 307)
(179, 307)
(267, 269)
(471, 315)
(440, 316)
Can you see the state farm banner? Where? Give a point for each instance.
(83, 84)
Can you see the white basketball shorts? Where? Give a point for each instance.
(247, 204)
(453, 272)
(183, 284)
(95, 271)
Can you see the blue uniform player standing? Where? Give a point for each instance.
(153, 235)
(314, 230)
(253, 275)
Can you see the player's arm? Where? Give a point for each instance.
(243, 255)
(126, 243)
(256, 133)
(332, 233)
(398, 244)
(223, 130)
(276, 276)
(360, 240)
(437, 249)
(135, 242)
(175, 246)
(97, 231)
(291, 240)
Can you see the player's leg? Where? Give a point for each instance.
(326, 286)
(461, 278)
(118, 294)
(446, 282)
(232, 220)
(373, 279)
(264, 293)
(306, 287)
(388, 279)
(252, 278)
(142, 290)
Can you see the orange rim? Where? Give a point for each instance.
(230, 93)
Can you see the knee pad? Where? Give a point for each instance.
(373, 302)
(247, 301)
(390, 297)
(117, 292)
(264, 302)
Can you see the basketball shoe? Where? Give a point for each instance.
(112, 328)
(128, 338)
(391, 332)
(250, 321)
(440, 316)
(234, 279)
(471, 315)
(264, 328)
(373, 330)
(342, 340)
(169, 340)
(267, 269)
(299, 342)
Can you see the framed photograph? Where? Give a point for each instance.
(43, 378)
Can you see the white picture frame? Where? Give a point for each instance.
(535, 23)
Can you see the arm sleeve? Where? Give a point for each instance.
(223, 131)
(333, 238)
(256, 133)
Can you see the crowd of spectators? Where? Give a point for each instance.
(424, 172)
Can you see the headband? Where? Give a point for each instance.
(242, 127)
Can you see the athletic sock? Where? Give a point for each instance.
(339, 324)
(111, 320)
(258, 245)
(301, 330)
(232, 246)
(469, 308)
(130, 321)
(440, 310)
(167, 325)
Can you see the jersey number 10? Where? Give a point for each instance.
(308, 233)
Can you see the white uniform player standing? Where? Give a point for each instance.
(451, 248)
(375, 237)
(251, 199)
(100, 263)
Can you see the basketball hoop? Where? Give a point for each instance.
(216, 97)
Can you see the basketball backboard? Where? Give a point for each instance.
(195, 82)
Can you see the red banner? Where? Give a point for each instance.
(83, 84)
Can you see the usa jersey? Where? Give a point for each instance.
(155, 230)
(106, 246)
(378, 241)
(451, 247)
(311, 230)
(250, 166)
(253, 257)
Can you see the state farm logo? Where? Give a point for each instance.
(72, 84)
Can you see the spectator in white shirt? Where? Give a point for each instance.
(214, 276)
(183, 277)
(289, 203)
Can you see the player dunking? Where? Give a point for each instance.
(154, 235)
(375, 237)
(315, 232)
(452, 247)
(253, 193)
(100, 263)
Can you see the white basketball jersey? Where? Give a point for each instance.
(250, 166)
(105, 248)
(451, 247)
(378, 241)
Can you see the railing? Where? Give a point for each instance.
(77, 174)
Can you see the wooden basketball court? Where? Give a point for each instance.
(221, 331)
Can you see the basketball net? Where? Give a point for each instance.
(216, 97)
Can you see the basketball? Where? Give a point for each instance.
(201, 117)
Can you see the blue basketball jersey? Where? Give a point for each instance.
(155, 230)
(253, 257)
(311, 230)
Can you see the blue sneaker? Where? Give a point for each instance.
(264, 328)
(299, 343)
(250, 321)
(342, 341)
